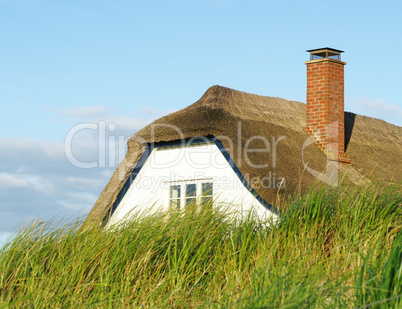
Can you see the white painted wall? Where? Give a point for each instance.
(194, 163)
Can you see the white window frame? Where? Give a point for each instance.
(183, 184)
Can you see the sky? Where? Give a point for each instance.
(77, 78)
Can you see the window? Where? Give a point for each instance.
(174, 197)
(190, 194)
(206, 194)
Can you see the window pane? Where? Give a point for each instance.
(175, 191)
(190, 202)
(191, 190)
(174, 203)
(207, 189)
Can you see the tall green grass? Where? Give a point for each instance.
(332, 248)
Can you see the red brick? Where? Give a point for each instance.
(325, 102)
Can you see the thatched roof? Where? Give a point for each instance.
(374, 145)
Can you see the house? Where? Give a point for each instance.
(245, 150)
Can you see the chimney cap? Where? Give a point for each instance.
(325, 48)
(325, 53)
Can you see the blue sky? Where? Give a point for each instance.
(64, 63)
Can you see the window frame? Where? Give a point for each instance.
(174, 202)
(199, 194)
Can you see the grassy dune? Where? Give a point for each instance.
(332, 248)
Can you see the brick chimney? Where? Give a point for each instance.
(325, 102)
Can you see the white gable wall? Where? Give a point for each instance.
(181, 165)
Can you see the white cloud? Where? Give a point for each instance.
(121, 124)
(23, 148)
(8, 181)
(376, 108)
(78, 201)
(129, 124)
(37, 179)
(89, 184)
(36, 182)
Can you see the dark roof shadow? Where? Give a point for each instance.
(349, 124)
